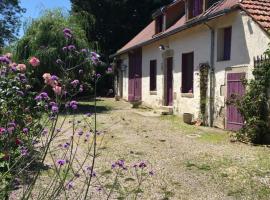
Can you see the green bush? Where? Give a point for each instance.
(254, 106)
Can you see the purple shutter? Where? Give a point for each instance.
(153, 74)
(235, 89)
(198, 7)
(187, 72)
(227, 43)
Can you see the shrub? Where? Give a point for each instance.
(254, 106)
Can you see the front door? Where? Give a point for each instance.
(235, 89)
(169, 82)
(135, 75)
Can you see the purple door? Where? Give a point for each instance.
(235, 89)
(169, 82)
(135, 75)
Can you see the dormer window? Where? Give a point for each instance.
(159, 24)
(195, 8)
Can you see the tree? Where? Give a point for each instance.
(10, 13)
(113, 23)
(44, 39)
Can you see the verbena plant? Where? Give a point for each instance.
(42, 134)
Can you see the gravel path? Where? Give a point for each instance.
(188, 162)
(185, 167)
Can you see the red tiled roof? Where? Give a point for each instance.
(259, 10)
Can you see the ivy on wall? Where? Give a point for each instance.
(204, 71)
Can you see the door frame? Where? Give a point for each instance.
(165, 81)
(135, 75)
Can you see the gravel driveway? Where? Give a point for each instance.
(189, 162)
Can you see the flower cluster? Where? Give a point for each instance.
(53, 81)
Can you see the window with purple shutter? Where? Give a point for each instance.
(227, 43)
(159, 24)
(195, 8)
(153, 75)
(187, 72)
(224, 42)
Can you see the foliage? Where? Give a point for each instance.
(56, 143)
(113, 23)
(44, 40)
(204, 70)
(20, 119)
(10, 13)
(254, 106)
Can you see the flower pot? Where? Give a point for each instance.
(187, 118)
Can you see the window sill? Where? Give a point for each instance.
(187, 95)
(153, 92)
(223, 60)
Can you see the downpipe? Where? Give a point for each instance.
(211, 76)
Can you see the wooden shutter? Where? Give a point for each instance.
(153, 75)
(227, 43)
(187, 72)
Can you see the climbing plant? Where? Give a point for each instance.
(254, 106)
(204, 70)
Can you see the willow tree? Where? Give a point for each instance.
(44, 39)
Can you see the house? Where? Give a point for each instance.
(192, 57)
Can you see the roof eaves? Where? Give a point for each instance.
(186, 26)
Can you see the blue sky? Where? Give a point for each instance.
(34, 7)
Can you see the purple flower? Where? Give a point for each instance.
(142, 165)
(55, 109)
(71, 48)
(95, 58)
(67, 33)
(88, 114)
(54, 78)
(73, 105)
(12, 124)
(80, 133)
(38, 98)
(4, 59)
(109, 70)
(75, 83)
(81, 88)
(45, 132)
(24, 151)
(10, 130)
(84, 50)
(61, 162)
(70, 185)
(25, 130)
(98, 75)
(52, 103)
(66, 145)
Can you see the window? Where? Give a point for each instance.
(187, 72)
(153, 75)
(195, 8)
(159, 24)
(224, 44)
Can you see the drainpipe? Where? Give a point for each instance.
(212, 76)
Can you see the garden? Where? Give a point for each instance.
(60, 140)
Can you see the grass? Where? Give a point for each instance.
(206, 134)
(239, 178)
